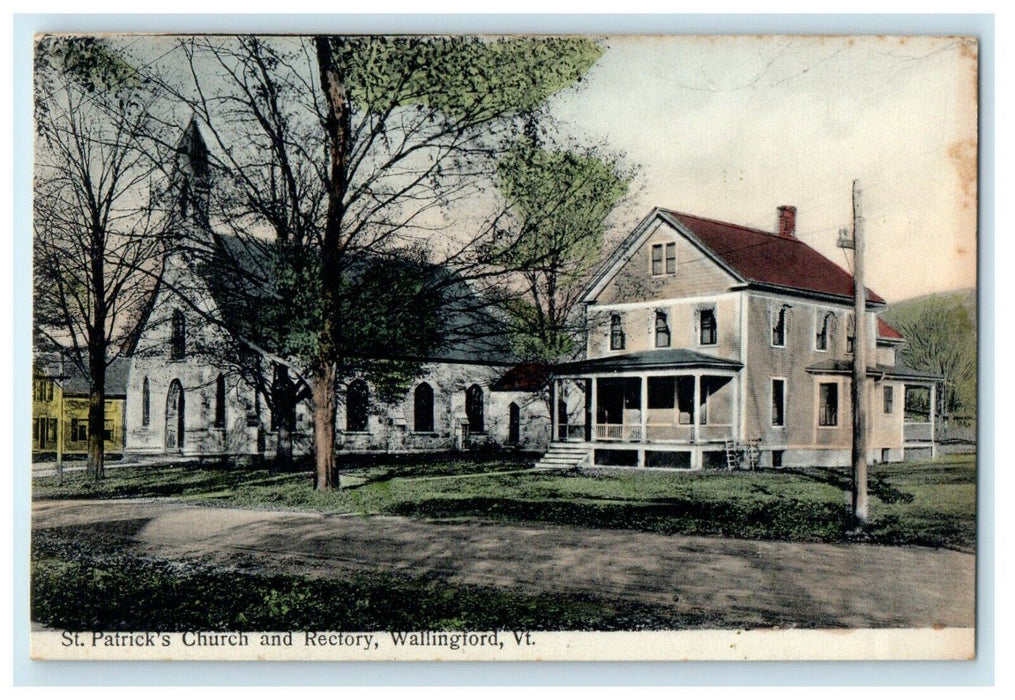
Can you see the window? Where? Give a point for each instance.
(422, 409)
(707, 326)
(474, 409)
(220, 402)
(356, 402)
(146, 403)
(78, 430)
(779, 327)
(778, 403)
(662, 330)
(664, 259)
(828, 404)
(43, 390)
(823, 323)
(107, 430)
(850, 333)
(889, 399)
(178, 342)
(616, 333)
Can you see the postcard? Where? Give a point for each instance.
(504, 347)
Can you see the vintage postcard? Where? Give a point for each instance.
(504, 347)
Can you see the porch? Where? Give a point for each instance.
(663, 408)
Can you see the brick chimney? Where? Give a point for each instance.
(787, 221)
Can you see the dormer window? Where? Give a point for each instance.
(662, 330)
(616, 333)
(664, 259)
(707, 327)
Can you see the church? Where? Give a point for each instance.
(196, 387)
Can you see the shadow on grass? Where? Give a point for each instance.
(784, 519)
(877, 482)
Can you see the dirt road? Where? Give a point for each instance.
(808, 584)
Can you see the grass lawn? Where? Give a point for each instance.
(923, 503)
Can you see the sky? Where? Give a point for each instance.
(732, 127)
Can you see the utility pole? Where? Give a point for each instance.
(859, 389)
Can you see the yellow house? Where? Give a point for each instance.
(60, 408)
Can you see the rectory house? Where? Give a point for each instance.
(705, 336)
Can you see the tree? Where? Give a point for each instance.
(96, 219)
(940, 333)
(559, 201)
(340, 150)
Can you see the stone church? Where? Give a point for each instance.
(196, 388)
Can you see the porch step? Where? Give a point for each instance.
(562, 455)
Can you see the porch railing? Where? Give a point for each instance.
(917, 432)
(656, 432)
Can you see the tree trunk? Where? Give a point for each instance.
(96, 413)
(329, 344)
(323, 388)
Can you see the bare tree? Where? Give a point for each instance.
(96, 224)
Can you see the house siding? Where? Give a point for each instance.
(696, 273)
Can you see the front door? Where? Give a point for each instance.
(514, 424)
(174, 417)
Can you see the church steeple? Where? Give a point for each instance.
(192, 177)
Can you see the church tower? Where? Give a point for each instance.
(192, 182)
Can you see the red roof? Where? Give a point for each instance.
(528, 376)
(766, 258)
(887, 332)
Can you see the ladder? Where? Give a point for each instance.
(742, 455)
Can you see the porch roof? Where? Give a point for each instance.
(670, 358)
(889, 371)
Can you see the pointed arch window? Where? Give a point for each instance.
(146, 403)
(662, 330)
(850, 333)
(707, 327)
(474, 409)
(356, 407)
(220, 402)
(178, 341)
(423, 409)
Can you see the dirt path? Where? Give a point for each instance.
(794, 583)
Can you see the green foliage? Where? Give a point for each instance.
(88, 61)
(940, 333)
(469, 79)
(560, 201)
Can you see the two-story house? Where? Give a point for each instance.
(60, 406)
(703, 333)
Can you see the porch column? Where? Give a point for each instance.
(933, 419)
(553, 409)
(697, 407)
(644, 407)
(735, 409)
(592, 418)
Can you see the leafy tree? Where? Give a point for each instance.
(559, 201)
(96, 218)
(340, 150)
(940, 333)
